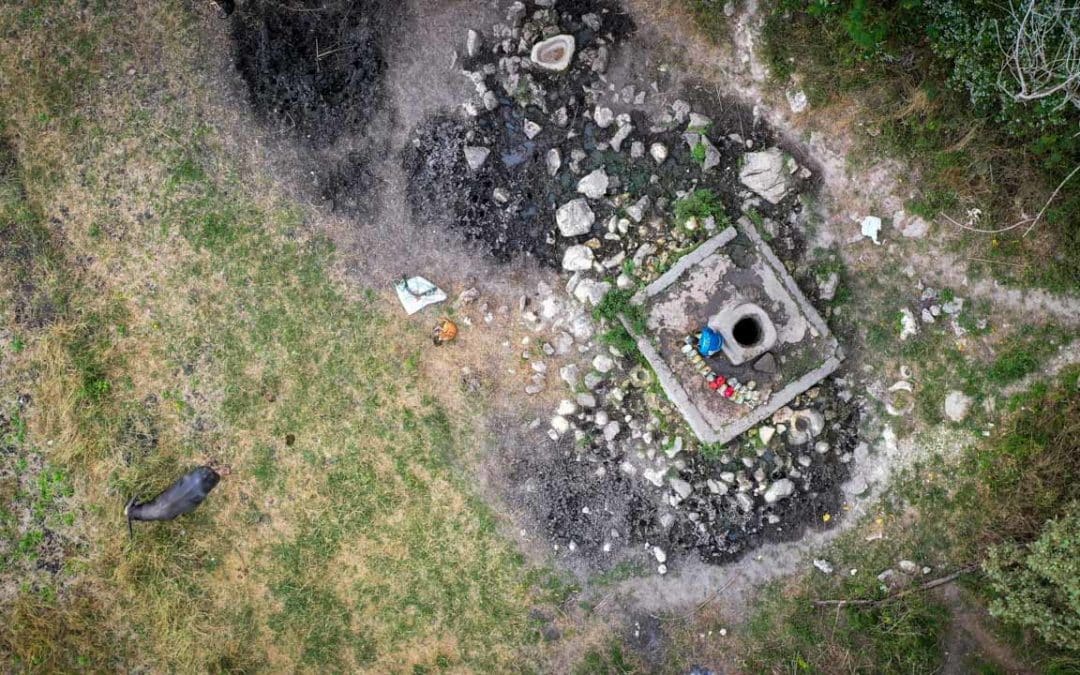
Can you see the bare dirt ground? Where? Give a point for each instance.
(385, 242)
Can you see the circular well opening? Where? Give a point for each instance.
(747, 331)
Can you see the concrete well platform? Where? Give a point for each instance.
(773, 336)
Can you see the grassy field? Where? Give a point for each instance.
(160, 308)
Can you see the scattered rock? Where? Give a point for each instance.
(824, 566)
(764, 173)
(575, 218)
(475, 156)
(659, 152)
(766, 434)
(586, 400)
(603, 363)
(681, 487)
(659, 554)
(797, 100)
(553, 161)
(611, 430)
(780, 489)
(594, 185)
(909, 327)
(531, 129)
(472, 43)
(766, 364)
(554, 53)
(603, 117)
(560, 424)
(577, 259)
(957, 405)
(908, 567)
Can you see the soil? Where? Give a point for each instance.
(313, 65)
(382, 161)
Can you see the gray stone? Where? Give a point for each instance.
(472, 43)
(797, 100)
(637, 210)
(570, 374)
(553, 160)
(515, 13)
(574, 219)
(501, 195)
(637, 149)
(764, 173)
(908, 567)
(603, 363)
(491, 101)
(824, 566)
(698, 123)
(532, 129)
(827, 287)
(586, 400)
(856, 486)
(601, 418)
(957, 405)
(766, 363)
(744, 501)
(560, 424)
(554, 53)
(659, 152)
(593, 379)
(475, 156)
(594, 185)
(591, 292)
(603, 117)
(780, 489)
(681, 487)
(577, 259)
(624, 131)
(611, 430)
(654, 476)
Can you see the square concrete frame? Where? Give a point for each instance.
(709, 426)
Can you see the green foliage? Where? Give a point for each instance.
(789, 634)
(931, 75)
(698, 153)
(617, 303)
(609, 660)
(701, 204)
(1039, 585)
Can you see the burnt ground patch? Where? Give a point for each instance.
(316, 66)
(592, 498)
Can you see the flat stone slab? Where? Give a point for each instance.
(734, 273)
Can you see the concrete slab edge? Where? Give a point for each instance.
(668, 382)
(707, 248)
(789, 282)
(781, 398)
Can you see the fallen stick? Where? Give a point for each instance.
(940, 581)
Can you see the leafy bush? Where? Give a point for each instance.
(932, 78)
(1039, 585)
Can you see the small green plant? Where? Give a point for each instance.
(701, 204)
(617, 303)
(698, 153)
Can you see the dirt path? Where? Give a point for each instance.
(848, 194)
(968, 638)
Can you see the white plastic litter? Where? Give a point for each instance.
(416, 293)
(871, 225)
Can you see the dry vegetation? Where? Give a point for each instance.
(191, 316)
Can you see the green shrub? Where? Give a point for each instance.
(1039, 585)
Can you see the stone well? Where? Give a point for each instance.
(772, 335)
